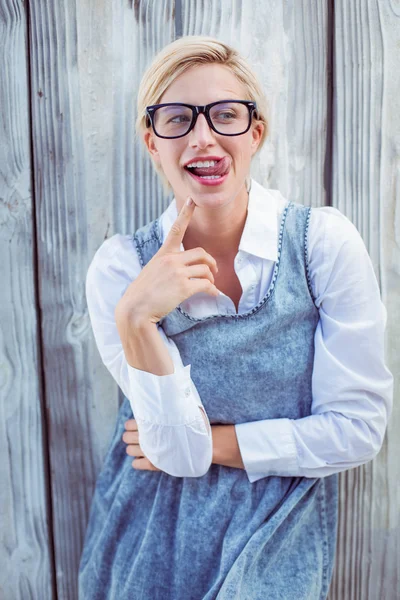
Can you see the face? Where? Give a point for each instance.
(202, 85)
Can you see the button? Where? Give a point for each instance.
(187, 392)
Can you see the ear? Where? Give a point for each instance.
(150, 140)
(256, 132)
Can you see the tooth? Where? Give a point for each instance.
(202, 164)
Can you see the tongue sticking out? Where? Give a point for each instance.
(220, 168)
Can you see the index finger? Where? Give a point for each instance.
(176, 234)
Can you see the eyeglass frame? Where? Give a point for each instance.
(196, 111)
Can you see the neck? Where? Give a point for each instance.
(219, 229)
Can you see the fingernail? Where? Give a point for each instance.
(189, 201)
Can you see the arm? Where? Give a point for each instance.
(352, 388)
(226, 449)
(171, 422)
(145, 350)
(143, 346)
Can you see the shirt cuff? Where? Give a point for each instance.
(163, 399)
(267, 448)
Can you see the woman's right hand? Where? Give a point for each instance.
(166, 280)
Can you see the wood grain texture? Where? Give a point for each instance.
(366, 169)
(86, 60)
(25, 549)
(62, 251)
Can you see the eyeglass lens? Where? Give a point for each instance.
(227, 118)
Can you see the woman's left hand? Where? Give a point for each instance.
(225, 447)
(131, 437)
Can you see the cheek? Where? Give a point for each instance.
(244, 155)
(243, 150)
(170, 159)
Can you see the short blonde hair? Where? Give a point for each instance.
(179, 56)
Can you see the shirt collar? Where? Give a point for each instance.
(260, 233)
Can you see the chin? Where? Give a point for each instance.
(206, 195)
(214, 198)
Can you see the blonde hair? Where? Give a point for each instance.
(179, 56)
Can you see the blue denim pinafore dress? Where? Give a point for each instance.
(153, 536)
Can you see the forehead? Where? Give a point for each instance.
(202, 84)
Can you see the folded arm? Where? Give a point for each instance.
(352, 389)
(174, 430)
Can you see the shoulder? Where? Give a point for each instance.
(114, 264)
(118, 247)
(110, 246)
(327, 228)
(329, 231)
(337, 255)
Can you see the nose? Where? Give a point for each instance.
(201, 135)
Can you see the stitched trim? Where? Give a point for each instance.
(138, 250)
(139, 245)
(325, 567)
(147, 240)
(270, 289)
(157, 231)
(306, 257)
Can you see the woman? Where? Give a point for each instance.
(242, 310)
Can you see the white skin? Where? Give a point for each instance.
(218, 221)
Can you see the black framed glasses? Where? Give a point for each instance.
(175, 119)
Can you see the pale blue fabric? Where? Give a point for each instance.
(154, 536)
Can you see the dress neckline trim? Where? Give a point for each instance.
(263, 300)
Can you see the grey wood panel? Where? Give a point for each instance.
(25, 549)
(62, 252)
(89, 179)
(366, 142)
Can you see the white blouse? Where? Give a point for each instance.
(352, 389)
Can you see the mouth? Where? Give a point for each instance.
(211, 171)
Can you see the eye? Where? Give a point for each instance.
(226, 115)
(179, 119)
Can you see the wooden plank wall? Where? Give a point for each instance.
(27, 569)
(72, 174)
(365, 187)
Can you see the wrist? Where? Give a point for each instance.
(226, 449)
(133, 319)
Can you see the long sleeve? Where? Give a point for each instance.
(352, 389)
(167, 408)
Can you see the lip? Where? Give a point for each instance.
(196, 158)
(209, 182)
